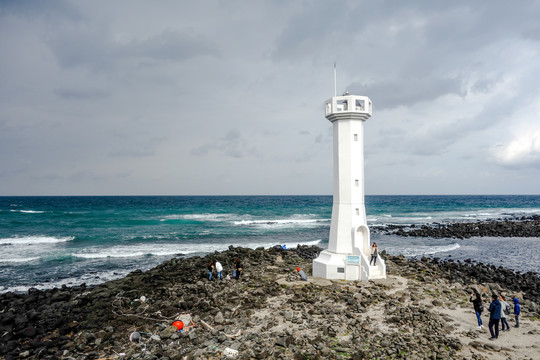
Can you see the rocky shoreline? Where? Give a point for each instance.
(517, 227)
(268, 313)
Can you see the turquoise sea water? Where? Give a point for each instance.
(51, 241)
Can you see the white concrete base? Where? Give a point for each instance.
(336, 266)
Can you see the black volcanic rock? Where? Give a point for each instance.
(523, 227)
(268, 313)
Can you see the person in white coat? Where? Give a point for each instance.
(505, 310)
(219, 270)
(374, 253)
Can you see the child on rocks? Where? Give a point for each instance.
(210, 270)
(517, 310)
(302, 274)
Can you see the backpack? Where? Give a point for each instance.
(507, 309)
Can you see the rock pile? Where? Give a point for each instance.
(268, 313)
(522, 227)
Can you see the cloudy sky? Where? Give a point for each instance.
(226, 97)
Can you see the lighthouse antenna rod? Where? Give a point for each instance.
(335, 80)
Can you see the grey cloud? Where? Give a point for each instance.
(93, 90)
(52, 9)
(485, 84)
(232, 145)
(96, 47)
(81, 94)
(408, 92)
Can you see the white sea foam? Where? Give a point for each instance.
(282, 222)
(28, 211)
(198, 217)
(89, 279)
(175, 249)
(18, 260)
(421, 250)
(128, 251)
(34, 240)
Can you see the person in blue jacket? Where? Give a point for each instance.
(494, 317)
(517, 310)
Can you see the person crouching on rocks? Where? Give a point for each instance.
(238, 268)
(374, 253)
(505, 310)
(219, 270)
(302, 274)
(517, 310)
(210, 270)
(494, 317)
(478, 307)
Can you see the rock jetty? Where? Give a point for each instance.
(422, 311)
(519, 227)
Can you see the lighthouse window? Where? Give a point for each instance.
(356, 182)
(360, 105)
(341, 270)
(355, 137)
(357, 211)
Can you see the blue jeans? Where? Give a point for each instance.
(504, 322)
(220, 275)
(209, 275)
(478, 317)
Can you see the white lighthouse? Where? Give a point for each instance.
(348, 254)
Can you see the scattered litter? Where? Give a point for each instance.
(179, 325)
(155, 338)
(207, 325)
(231, 353)
(135, 336)
(185, 319)
(238, 333)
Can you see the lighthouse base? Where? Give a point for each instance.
(335, 266)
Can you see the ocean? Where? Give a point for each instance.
(48, 242)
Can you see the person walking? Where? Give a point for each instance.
(505, 310)
(517, 310)
(494, 316)
(219, 270)
(478, 307)
(374, 253)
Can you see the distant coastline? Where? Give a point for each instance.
(514, 227)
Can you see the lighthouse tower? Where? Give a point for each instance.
(348, 253)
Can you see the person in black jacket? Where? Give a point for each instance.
(238, 267)
(478, 307)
